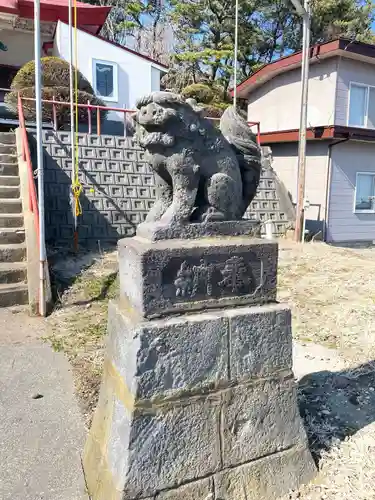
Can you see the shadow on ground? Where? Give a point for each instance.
(335, 405)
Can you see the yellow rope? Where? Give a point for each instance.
(76, 184)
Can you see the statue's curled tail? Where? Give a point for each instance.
(240, 136)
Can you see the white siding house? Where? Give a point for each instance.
(340, 162)
(118, 75)
(276, 104)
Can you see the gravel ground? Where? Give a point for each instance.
(331, 292)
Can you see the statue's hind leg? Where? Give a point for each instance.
(221, 199)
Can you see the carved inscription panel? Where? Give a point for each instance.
(159, 279)
(211, 277)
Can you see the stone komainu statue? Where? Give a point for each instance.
(203, 174)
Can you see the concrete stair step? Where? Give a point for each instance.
(10, 235)
(13, 294)
(9, 191)
(10, 206)
(8, 149)
(11, 220)
(7, 138)
(7, 158)
(14, 252)
(9, 180)
(13, 272)
(8, 169)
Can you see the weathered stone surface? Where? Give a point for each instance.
(197, 490)
(164, 358)
(260, 341)
(266, 479)
(202, 175)
(181, 275)
(156, 232)
(260, 419)
(134, 453)
(159, 449)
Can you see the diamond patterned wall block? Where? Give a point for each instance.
(99, 165)
(89, 152)
(127, 167)
(94, 140)
(103, 153)
(116, 154)
(109, 141)
(119, 189)
(81, 139)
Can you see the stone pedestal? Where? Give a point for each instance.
(198, 399)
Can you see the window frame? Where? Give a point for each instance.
(94, 62)
(367, 87)
(365, 210)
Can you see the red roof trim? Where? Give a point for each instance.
(326, 132)
(115, 44)
(55, 10)
(319, 133)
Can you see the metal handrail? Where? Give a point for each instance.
(26, 156)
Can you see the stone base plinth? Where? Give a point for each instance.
(177, 276)
(197, 406)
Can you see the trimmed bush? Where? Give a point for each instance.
(62, 112)
(55, 73)
(55, 80)
(199, 91)
(215, 110)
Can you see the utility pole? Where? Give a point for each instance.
(304, 12)
(39, 118)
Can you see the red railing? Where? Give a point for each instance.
(257, 125)
(91, 107)
(33, 200)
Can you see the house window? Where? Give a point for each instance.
(365, 192)
(361, 106)
(105, 78)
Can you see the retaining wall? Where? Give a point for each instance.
(118, 189)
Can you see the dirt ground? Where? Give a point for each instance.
(331, 292)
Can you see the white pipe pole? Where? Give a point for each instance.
(235, 57)
(38, 109)
(71, 85)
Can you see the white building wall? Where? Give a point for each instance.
(136, 76)
(276, 104)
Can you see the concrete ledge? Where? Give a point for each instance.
(31, 239)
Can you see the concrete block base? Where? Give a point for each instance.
(198, 406)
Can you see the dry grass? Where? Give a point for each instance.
(347, 470)
(78, 324)
(331, 292)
